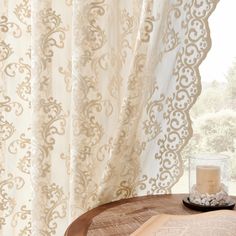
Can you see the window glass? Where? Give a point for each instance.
(214, 114)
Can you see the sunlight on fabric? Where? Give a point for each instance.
(214, 114)
(223, 50)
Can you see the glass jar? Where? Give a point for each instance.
(209, 176)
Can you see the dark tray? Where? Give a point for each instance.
(197, 207)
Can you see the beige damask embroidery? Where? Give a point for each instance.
(148, 22)
(5, 51)
(23, 13)
(111, 115)
(53, 34)
(21, 215)
(152, 126)
(19, 144)
(7, 106)
(118, 57)
(67, 76)
(8, 185)
(24, 88)
(94, 36)
(67, 162)
(24, 163)
(10, 27)
(54, 209)
(195, 45)
(54, 122)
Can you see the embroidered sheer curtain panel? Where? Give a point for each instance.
(94, 102)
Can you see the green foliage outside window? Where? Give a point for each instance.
(214, 120)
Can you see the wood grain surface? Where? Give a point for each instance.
(125, 216)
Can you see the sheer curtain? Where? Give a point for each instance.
(214, 114)
(94, 103)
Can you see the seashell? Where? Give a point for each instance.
(214, 203)
(197, 201)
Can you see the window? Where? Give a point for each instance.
(214, 114)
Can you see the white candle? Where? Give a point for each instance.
(208, 179)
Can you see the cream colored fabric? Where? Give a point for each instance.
(94, 103)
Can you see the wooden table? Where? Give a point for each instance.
(123, 217)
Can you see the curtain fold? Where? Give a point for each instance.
(94, 102)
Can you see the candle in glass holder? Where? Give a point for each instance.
(208, 179)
